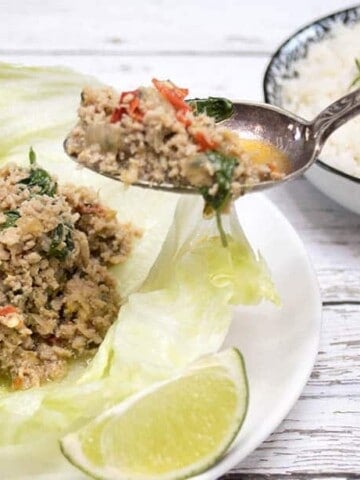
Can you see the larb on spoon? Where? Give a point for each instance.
(154, 138)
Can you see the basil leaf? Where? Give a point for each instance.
(216, 107)
(224, 169)
(12, 217)
(39, 178)
(32, 156)
(61, 234)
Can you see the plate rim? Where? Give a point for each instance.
(237, 454)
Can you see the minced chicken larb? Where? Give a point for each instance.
(57, 297)
(154, 134)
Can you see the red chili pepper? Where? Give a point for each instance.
(134, 110)
(130, 108)
(172, 94)
(204, 142)
(7, 310)
(130, 92)
(117, 114)
(181, 116)
(184, 92)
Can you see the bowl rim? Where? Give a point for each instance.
(276, 54)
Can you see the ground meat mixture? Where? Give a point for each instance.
(57, 297)
(154, 134)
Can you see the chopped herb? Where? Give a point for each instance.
(357, 75)
(61, 234)
(216, 107)
(224, 168)
(12, 217)
(32, 156)
(39, 178)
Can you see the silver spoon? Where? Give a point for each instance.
(299, 139)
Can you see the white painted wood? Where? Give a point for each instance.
(339, 283)
(321, 434)
(222, 48)
(164, 26)
(228, 76)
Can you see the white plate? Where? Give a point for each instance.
(279, 345)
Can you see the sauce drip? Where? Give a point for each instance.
(265, 153)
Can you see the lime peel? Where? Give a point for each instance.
(170, 431)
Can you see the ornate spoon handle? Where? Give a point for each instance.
(336, 115)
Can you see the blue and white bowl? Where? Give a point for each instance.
(336, 184)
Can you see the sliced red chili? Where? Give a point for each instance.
(7, 310)
(130, 92)
(134, 110)
(182, 117)
(204, 142)
(172, 94)
(117, 114)
(130, 107)
(184, 92)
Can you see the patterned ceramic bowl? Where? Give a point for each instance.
(338, 185)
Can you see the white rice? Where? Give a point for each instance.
(325, 75)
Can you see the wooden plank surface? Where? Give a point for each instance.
(137, 27)
(223, 48)
(321, 434)
(227, 76)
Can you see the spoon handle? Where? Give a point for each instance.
(336, 115)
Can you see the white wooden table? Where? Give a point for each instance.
(222, 47)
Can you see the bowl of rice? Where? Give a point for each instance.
(314, 67)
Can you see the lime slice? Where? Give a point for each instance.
(173, 430)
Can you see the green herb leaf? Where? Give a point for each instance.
(357, 75)
(39, 178)
(224, 168)
(217, 107)
(12, 217)
(61, 235)
(32, 156)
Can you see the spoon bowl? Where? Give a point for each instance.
(288, 133)
(300, 140)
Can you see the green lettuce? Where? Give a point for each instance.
(39, 110)
(178, 287)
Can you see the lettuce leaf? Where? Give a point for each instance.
(180, 283)
(184, 312)
(39, 110)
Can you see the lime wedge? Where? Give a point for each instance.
(173, 430)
